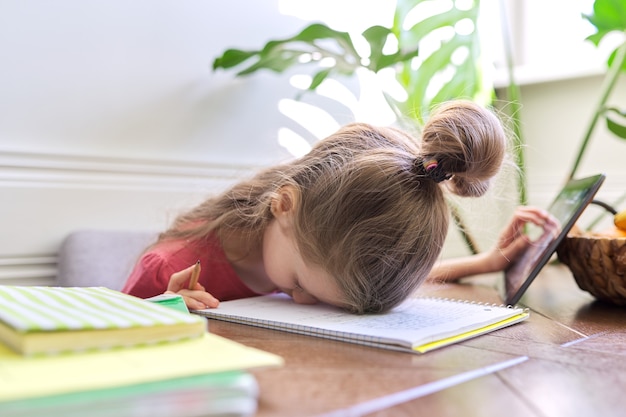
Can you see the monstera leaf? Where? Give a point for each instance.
(315, 44)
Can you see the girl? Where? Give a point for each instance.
(358, 222)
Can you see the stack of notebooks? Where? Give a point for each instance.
(98, 352)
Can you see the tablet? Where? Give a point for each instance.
(566, 208)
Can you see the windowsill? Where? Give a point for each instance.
(535, 74)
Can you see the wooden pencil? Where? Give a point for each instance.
(194, 275)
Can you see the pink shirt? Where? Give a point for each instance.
(152, 272)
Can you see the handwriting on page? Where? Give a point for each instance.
(416, 314)
(413, 313)
(411, 326)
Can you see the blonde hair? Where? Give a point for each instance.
(370, 210)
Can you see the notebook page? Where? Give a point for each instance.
(414, 322)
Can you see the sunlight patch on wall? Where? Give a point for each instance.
(315, 120)
(295, 144)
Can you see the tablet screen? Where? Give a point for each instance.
(566, 208)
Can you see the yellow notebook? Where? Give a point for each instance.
(23, 378)
(418, 325)
(49, 320)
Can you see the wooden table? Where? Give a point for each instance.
(567, 359)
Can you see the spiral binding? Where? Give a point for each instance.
(480, 303)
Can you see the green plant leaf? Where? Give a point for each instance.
(376, 36)
(316, 32)
(596, 37)
(462, 84)
(617, 128)
(612, 58)
(277, 60)
(467, 79)
(231, 58)
(416, 81)
(417, 32)
(607, 16)
(437, 62)
(386, 61)
(281, 54)
(404, 7)
(318, 78)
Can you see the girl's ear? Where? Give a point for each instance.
(285, 202)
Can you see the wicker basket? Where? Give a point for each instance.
(598, 264)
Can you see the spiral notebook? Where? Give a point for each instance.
(418, 325)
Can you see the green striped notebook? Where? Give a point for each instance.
(47, 320)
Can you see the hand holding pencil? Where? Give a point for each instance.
(186, 283)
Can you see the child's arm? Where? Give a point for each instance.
(457, 268)
(511, 245)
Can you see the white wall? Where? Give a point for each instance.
(555, 117)
(111, 118)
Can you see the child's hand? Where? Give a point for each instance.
(513, 241)
(196, 298)
(511, 245)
